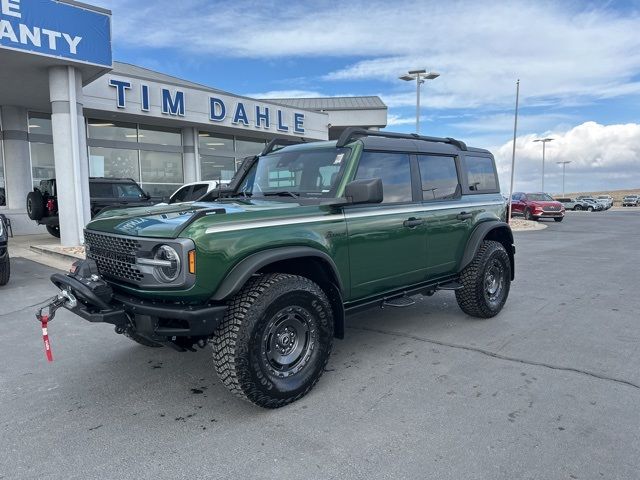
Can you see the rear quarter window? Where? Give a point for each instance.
(480, 174)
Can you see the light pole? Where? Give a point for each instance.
(564, 164)
(419, 76)
(544, 144)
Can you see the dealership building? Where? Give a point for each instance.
(68, 111)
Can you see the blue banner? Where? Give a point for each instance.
(55, 29)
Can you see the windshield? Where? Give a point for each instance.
(539, 197)
(297, 173)
(128, 190)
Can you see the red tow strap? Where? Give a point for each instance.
(44, 319)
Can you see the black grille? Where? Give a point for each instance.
(115, 256)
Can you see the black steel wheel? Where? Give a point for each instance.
(275, 340)
(486, 281)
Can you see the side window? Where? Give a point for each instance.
(394, 170)
(101, 190)
(198, 191)
(481, 175)
(180, 195)
(439, 177)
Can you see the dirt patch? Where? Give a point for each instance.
(521, 225)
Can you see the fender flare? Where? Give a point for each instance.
(244, 269)
(480, 233)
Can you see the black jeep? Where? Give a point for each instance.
(105, 194)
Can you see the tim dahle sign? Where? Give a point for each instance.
(55, 29)
(239, 112)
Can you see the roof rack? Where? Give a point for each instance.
(280, 142)
(352, 132)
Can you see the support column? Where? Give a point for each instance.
(16, 156)
(190, 163)
(70, 152)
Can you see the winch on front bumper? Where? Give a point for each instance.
(157, 321)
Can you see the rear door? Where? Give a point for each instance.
(448, 222)
(387, 242)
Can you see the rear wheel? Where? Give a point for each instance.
(577, 207)
(35, 205)
(275, 340)
(590, 209)
(5, 269)
(486, 281)
(54, 230)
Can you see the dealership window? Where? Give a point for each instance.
(161, 172)
(160, 135)
(110, 130)
(40, 123)
(247, 147)
(220, 155)
(439, 177)
(217, 168)
(42, 162)
(114, 163)
(214, 144)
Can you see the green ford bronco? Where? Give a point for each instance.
(267, 269)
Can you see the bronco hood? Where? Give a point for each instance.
(167, 221)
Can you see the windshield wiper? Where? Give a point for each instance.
(283, 193)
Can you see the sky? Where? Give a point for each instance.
(578, 63)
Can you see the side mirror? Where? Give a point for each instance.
(364, 191)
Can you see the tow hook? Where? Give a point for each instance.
(64, 298)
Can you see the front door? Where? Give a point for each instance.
(387, 242)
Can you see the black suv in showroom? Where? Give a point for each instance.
(105, 194)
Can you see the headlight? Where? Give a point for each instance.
(167, 264)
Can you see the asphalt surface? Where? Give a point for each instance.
(549, 389)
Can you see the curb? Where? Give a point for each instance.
(46, 250)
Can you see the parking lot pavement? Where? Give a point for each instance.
(549, 389)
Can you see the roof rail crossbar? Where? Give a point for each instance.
(279, 142)
(352, 133)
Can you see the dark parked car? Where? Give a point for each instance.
(105, 193)
(5, 267)
(533, 206)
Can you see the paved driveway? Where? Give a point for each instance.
(549, 389)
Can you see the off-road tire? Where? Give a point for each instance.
(240, 343)
(473, 298)
(141, 340)
(55, 231)
(558, 219)
(5, 269)
(35, 205)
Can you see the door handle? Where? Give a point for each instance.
(464, 216)
(412, 222)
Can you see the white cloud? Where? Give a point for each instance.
(601, 156)
(563, 51)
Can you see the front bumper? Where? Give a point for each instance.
(547, 214)
(158, 321)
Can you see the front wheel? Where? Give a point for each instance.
(590, 209)
(275, 340)
(485, 281)
(577, 207)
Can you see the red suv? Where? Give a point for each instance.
(536, 205)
